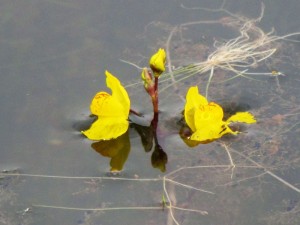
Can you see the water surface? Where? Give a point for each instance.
(52, 62)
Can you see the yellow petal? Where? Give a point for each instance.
(106, 128)
(105, 105)
(207, 127)
(207, 116)
(209, 124)
(189, 116)
(118, 91)
(193, 101)
(242, 117)
(212, 132)
(157, 62)
(204, 135)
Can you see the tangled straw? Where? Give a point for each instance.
(237, 55)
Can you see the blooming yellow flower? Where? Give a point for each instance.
(205, 119)
(112, 111)
(157, 62)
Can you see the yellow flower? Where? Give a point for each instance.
(112, 111)
(205, 119)
(157, 62)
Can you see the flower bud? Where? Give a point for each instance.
(148, 81)
(157, 62)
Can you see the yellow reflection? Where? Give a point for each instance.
(117, 149)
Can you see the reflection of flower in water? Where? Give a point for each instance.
(205, 119)
(159, 158)
(112, 111)
(117, 149)
(146, 134)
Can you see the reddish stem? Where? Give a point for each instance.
(154, 123)
(135, 113)
(155, 97)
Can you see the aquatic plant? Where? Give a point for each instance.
(112, 111)
(205, 119)
(157, 65)
(222, 174)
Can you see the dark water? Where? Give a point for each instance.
(52, 62)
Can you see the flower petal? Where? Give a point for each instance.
(189, 116)
(212, 132)
(193, 101)
(194, 98)
(118, 91)
(242, 117)
(106, 128)
(105, 105)
(207, 116)
(209, 124)
(157, 62)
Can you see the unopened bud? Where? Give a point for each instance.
(157, 62)
(148, 81)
